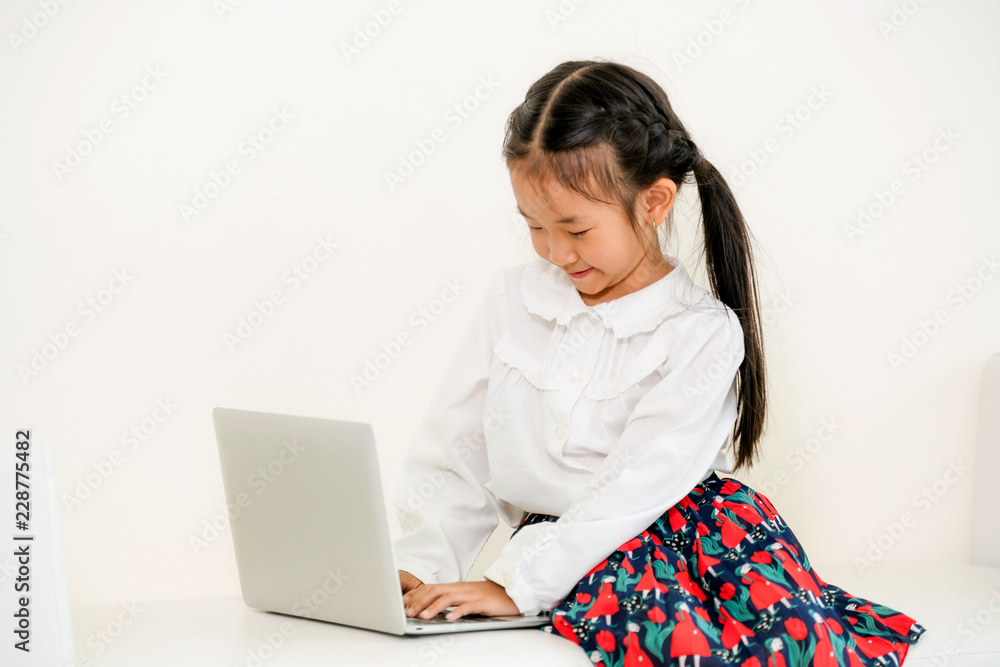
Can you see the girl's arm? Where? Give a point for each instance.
(445, 514)
(667, 446)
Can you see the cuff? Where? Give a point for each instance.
(518, 591)
(506, 570)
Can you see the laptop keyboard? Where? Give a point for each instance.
(441, 618)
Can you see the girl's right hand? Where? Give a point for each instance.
(408, 582)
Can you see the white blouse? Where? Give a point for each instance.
(604, 415)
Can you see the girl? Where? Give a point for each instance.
(591, 401)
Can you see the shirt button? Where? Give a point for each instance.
(576, 378)
(560, 432)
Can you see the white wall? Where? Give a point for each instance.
(836, 306)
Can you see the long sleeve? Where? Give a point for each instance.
(444, 512)
(668, 443)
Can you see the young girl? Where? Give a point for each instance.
(591, 401)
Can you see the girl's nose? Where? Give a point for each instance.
(561, 252)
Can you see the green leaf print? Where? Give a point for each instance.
(774, 572)
(741, 496)
(839, 642)
(800, 652)
(656, 635)
(625, 582)
(866, 626)
(610, 658)
(712, 545)
(739, 606)
(663, 570)
(877, 608)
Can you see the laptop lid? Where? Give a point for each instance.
(310, 528)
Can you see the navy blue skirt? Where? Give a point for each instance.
(720, 579)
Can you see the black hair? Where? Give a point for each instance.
(604, 125)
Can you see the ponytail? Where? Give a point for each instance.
(732, 276)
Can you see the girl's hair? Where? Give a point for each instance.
(590, 122)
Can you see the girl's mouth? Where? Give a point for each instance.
(581, 274)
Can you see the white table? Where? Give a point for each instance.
(224, 632)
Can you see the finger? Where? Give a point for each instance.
(419, 598)
(408, 596)
(438, 605)
(463, 609)
(412, 594)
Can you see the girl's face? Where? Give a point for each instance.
(594, 242)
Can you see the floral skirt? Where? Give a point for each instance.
(719, 579)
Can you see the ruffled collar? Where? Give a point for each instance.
(549, 293)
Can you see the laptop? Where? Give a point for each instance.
(310, 525)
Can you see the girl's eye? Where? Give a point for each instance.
(576, 234)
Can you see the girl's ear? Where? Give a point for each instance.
(659, 199)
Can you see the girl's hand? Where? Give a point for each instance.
(468, 597)
(408, 582)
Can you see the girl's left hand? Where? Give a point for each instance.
(468, 597)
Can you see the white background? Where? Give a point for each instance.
(836, 306)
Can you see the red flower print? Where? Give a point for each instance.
(564, 627)
(583, 598)
(606, 641)
(701, 612)
(656, 615)
(727, 591)
(796, 628)
(751, 662)
(834, 626)
(761, 557)
(702, 529)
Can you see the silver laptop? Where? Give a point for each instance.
(310, 526)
